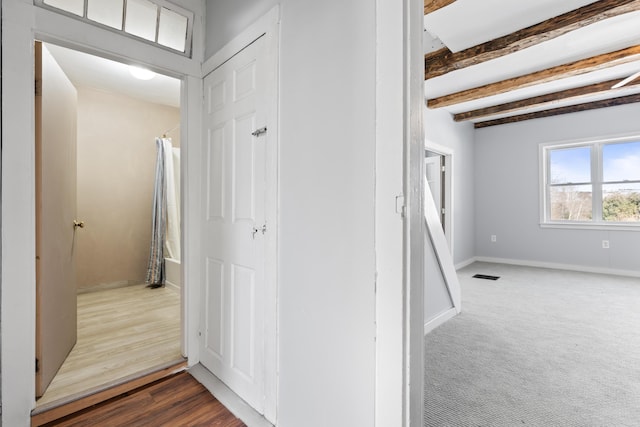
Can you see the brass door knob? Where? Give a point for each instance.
(77, 224)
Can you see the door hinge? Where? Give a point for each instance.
(260, 131)
(400, 206)
(38, 87)
(37, 365)
(443, 168)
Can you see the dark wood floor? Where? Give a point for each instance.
(178, 400)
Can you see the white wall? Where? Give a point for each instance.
(507, 193)
(459, 137)
(326, 239)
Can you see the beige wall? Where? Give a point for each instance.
(116, 166)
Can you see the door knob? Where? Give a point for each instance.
(77, 224)
(255, 230)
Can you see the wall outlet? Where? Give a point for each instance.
(605, 244)
(493, 238)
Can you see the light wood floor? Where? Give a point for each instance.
(121, 332)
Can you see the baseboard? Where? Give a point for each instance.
(439, 320)
(228, 398)
(172, 286)
(108, 286)
(463, 264)
(559, 266)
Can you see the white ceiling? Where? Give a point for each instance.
(467, 23)
(100, 73)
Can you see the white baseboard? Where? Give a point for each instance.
(558, 266)
(463, 264)
(172, 286)
(108, 286)
(439, 320)
(228, 398)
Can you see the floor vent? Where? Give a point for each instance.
(484, 276)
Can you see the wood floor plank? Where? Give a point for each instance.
(178, 400)
(120, 332)
(44, 414)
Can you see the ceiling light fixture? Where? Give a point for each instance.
(141, 73)
(626, 81)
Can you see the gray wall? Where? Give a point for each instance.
(227, 18)
(458, 137)
(326, 240)
(442, 130)
(507, 193)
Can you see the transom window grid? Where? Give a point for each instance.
(158, 22)
(603, 192)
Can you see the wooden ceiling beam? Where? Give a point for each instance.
(444, 61)
(629, 99)
(547, 100)
(576, 68)
(433, 5)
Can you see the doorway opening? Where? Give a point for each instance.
(107, 149)
(438, 171)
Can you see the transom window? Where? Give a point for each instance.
(592, 183)
(156, 21)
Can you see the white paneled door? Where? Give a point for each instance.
(235, 228)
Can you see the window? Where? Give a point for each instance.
(592, 183)
(155, 21)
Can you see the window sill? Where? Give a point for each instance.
(591, 226)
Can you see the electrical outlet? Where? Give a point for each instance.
(605, 244)
(493, 238)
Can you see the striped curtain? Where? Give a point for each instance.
(155, 270)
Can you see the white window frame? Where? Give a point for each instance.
(596, 184)
(161, 3)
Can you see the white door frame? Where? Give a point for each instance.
(267, 26)
(448, 188)
(414, 223)
(399, 220)
(22, 23)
